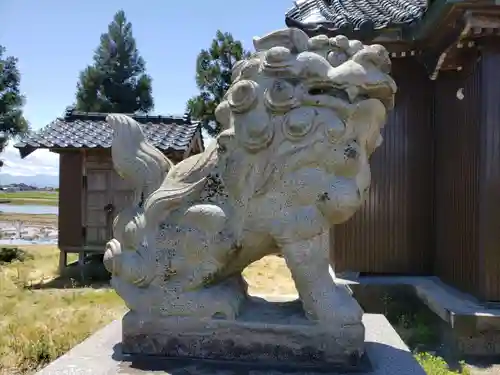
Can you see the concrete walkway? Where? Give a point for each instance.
(485, 367)
(451, 305)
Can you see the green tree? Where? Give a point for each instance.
(12, 121)
(213, 78)
(117, 79)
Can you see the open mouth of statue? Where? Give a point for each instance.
(327, 90)
(328, 96)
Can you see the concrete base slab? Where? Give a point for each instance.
(473, 328)
(102, 354)
(267, 332)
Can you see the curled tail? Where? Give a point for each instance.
(145, 168)
(134, 159)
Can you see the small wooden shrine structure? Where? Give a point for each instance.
(91, 193)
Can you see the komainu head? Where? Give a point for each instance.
(296, 91)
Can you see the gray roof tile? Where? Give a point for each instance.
(354, 16)
(90, 130)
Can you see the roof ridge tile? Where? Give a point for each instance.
(72, 115)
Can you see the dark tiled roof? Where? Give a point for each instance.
(354, 16)
(90, 130)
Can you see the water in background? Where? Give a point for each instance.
(29, 209)
(18, 241)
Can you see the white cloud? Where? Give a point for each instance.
(39, 162)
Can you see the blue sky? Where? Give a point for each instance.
(54, 40)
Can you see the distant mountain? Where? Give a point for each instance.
(39, 180)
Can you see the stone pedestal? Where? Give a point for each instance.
(102, 354)
(265, 332)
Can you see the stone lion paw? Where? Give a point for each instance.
(112, 256)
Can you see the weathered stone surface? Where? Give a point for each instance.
(301, 120)
(270, 332)
(102, 354)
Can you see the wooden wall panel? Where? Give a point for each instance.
(70, 198)
(489, 159)
(457, 128)
(392, 233)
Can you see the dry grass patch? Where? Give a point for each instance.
(270, 276)
(39, 219)
(38, 326)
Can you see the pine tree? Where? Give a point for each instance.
(12, 121)
(116, 81)
(213, 78)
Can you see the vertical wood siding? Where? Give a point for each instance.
(489, 206)
(392, 233)
(70, 198)
(457, 129)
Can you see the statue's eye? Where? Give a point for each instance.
(299, 122)
(281, 96)
(281, 91)
(242, 96)
(331, 124)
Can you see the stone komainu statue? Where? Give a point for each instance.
(301, 119)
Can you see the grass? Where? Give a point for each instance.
(45, 198)
(437, 366)
(38, 325)
(12, 254)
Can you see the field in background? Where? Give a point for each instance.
(28, 219)
(46, 198)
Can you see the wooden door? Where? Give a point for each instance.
(122, 193)
(99, 196)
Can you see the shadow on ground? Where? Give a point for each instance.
(89, 275)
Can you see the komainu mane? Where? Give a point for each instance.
(301, 119)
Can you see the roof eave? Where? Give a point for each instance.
(434, 13)
(391, 33)
(24, 149)
(437, 12)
